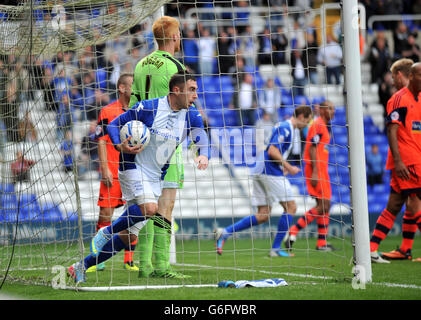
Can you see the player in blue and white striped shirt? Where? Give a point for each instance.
(270, 184)
(170, 120)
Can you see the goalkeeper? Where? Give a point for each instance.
(151, 78)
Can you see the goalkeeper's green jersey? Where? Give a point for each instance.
(151, 80)
(152, 76)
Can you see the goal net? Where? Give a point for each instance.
(255, 61)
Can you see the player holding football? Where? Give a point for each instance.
(170, 119)
(151, 78)
(110, 192)
(404, 160)
(270, 184)
(316, 158)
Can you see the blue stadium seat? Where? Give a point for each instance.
(379, 139)
(258, 80)
(368, 121)
(381, 188)
(29, 207)
(7, 188)
(340, 119)
(51, 212)
(212, 100)
(226, 83)
(278, 82)
(226, 98)
(207, 84)
(318, 100)
(341, 140)
(230, 118)
(286, 99)
(339, 130)
(299, 100)
(9, 208)
(370, 129)
(101, 79)
(285, 112)
(376, 207)
(215, 118)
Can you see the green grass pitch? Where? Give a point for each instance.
(310, 274)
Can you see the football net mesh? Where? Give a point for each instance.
(59, 66)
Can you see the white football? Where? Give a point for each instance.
(139, 133)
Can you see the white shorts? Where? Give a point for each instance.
(170, 185)
(270, 189)
(136, 188)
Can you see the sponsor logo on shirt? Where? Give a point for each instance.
(166, 134)
(416, 126)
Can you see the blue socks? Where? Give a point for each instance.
(130, 216)
(243, 224)
(284, 224)
(111, 248)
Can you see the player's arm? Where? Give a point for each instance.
(115, 126)
(106, 175)
(392, 136)
(314, 142)
(275, 154)
(199, 137)
(100, 133)
(279, 136)
(395, 118)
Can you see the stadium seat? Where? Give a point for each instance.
(379, 139)
(29, 207)
(226, 83)
(101, 79)
(259, 82)
(376, 207)
(371, 129)
(207, 84)
(51, 212)
(339, 130)
(300, 100)
(341, 140)
(215, 118)
(7, 188)
(286, 99)
(226, 98)
(230, 118)
(212, 100)
(285, 112)
(8, 209)
(380, 189)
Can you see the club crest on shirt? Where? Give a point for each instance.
(98, 130)
(394, 116)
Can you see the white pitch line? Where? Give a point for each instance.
(386, 284)
(118, 288)
(298, 275)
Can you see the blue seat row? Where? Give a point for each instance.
(27, 208)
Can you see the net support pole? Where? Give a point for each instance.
(354, 113)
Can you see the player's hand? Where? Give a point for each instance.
(202, 162)
(107, 178)
(126, 148)
(314, 179)
(401, 170)
(293, 170)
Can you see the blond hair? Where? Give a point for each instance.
(164, 28)
(402, 65)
